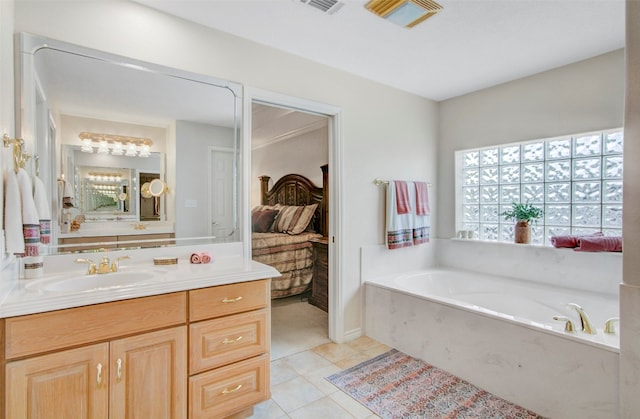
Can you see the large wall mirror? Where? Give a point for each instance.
(129, 150)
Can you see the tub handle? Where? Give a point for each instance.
(568, 325)
(609, 325)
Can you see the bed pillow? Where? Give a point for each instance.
(262, 208)
(293, 219)
(261, 221)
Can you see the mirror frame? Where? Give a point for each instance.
(26, 98)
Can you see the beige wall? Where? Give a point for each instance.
(581, 97)
(386, 132)
(302, 154)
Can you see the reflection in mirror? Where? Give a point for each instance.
(159, 126)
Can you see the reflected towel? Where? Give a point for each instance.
(195, 258)
(14, 240)
(403, 200)
(30, 220)
(42, 206)
(570, 241)
(205, 257)
(422, 199)
(399, 227)
(67, 190)
(599, 244)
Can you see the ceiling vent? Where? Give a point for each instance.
(327, 6)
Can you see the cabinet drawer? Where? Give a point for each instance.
(43, 332)
(228, 339)
(223, 300)
(227, 390)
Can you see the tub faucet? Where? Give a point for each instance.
(585, 321)
(609, 325)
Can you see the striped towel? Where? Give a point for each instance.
(399, 225)
(30, 220)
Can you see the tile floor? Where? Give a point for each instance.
(299, 389)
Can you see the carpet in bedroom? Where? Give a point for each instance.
(296, 326)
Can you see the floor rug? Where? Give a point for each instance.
(396, 385)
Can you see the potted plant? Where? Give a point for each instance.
(524, 215)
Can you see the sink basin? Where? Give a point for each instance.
(83, 282)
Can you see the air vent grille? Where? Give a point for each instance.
(327, 6)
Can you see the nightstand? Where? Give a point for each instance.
(320, 283)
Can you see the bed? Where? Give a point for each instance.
(291, 214)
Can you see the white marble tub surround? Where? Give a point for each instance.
(591, 271)
(521, 302)
(227, 266)
(540, 368)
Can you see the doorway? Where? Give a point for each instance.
(332, 118)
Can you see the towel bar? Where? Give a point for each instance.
(379, 182)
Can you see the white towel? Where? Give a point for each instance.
(44, 212)
(421, 228)
(12, 214)
(67, 191)
(399, 226)
(30, 220)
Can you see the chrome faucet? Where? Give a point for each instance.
(585, 321)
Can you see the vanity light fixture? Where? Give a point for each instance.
(116, 145)
(104, 177)
(103, 147)
(117, 149)
(407, 13)
(87, 147)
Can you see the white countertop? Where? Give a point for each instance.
(228, 266)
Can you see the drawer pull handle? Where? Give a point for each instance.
(99, 376)
(232, 300)
(119, 369)
(227, 341)
(233, 390)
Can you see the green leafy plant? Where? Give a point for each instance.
(523, 212)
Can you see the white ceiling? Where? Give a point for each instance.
(470, 45)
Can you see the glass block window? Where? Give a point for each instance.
(577, 180)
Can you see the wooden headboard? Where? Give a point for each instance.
(296, 189)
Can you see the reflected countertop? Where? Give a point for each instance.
(24, 296)
(119, 228)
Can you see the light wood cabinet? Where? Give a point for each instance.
(68, 384)
(200, 354)
(148, 377)
(142, 376)
(229, 363)
(120, 241)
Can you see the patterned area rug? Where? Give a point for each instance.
(396, 385)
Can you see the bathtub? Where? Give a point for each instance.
(499, 334)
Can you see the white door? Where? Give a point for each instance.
(221, 202)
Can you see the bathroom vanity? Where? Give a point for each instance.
(198, 349)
